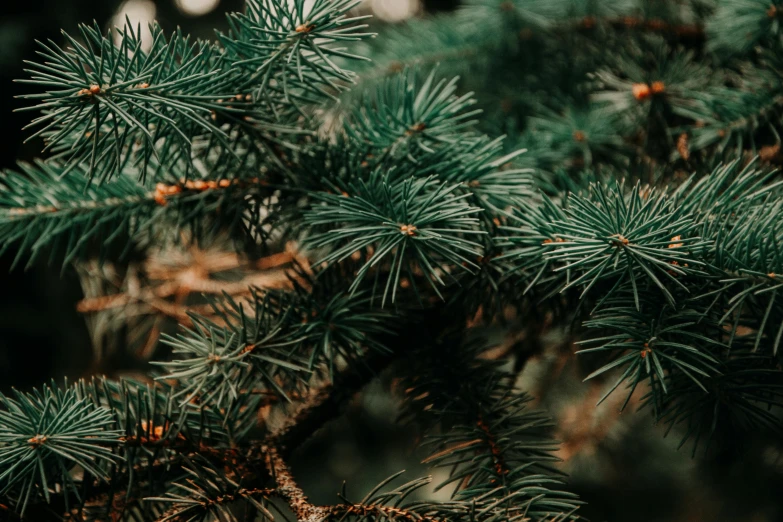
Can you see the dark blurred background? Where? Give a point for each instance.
(622, 466)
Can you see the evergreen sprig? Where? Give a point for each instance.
(614, 235)
(745, 395)
(247, 353)
(655, 82)
(291, 49)
(578, 135)
(729, 119)
(335, 327)
(46, 210)
(114, 103)
(653, 343)
(498, 452)
(400, 117)
(738, 25)
(208, 494)
(44, 435)
(418, 226)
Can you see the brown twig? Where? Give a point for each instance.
(319, 407)
(227, 498)
(164, 285)
(341, 511)
(305, 511)
(652, 25)
(501, 468)
(289, 490)
(191, 279)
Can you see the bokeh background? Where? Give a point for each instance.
(622, 465)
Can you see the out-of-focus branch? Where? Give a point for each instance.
(582, 427)
(169, 286)
(169, 276)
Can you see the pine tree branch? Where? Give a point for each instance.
(451, 40)
(316, 409)
(175, 513)
(289, 490)
(406, 182)
(44, 210)
(368, 509)
(376, 511)
(737, 27)
(191, 102)
(494, 447)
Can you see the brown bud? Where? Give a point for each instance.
(641, 91)
(408, 230)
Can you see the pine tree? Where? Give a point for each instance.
(613, 180)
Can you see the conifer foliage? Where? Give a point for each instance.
(613, 179)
